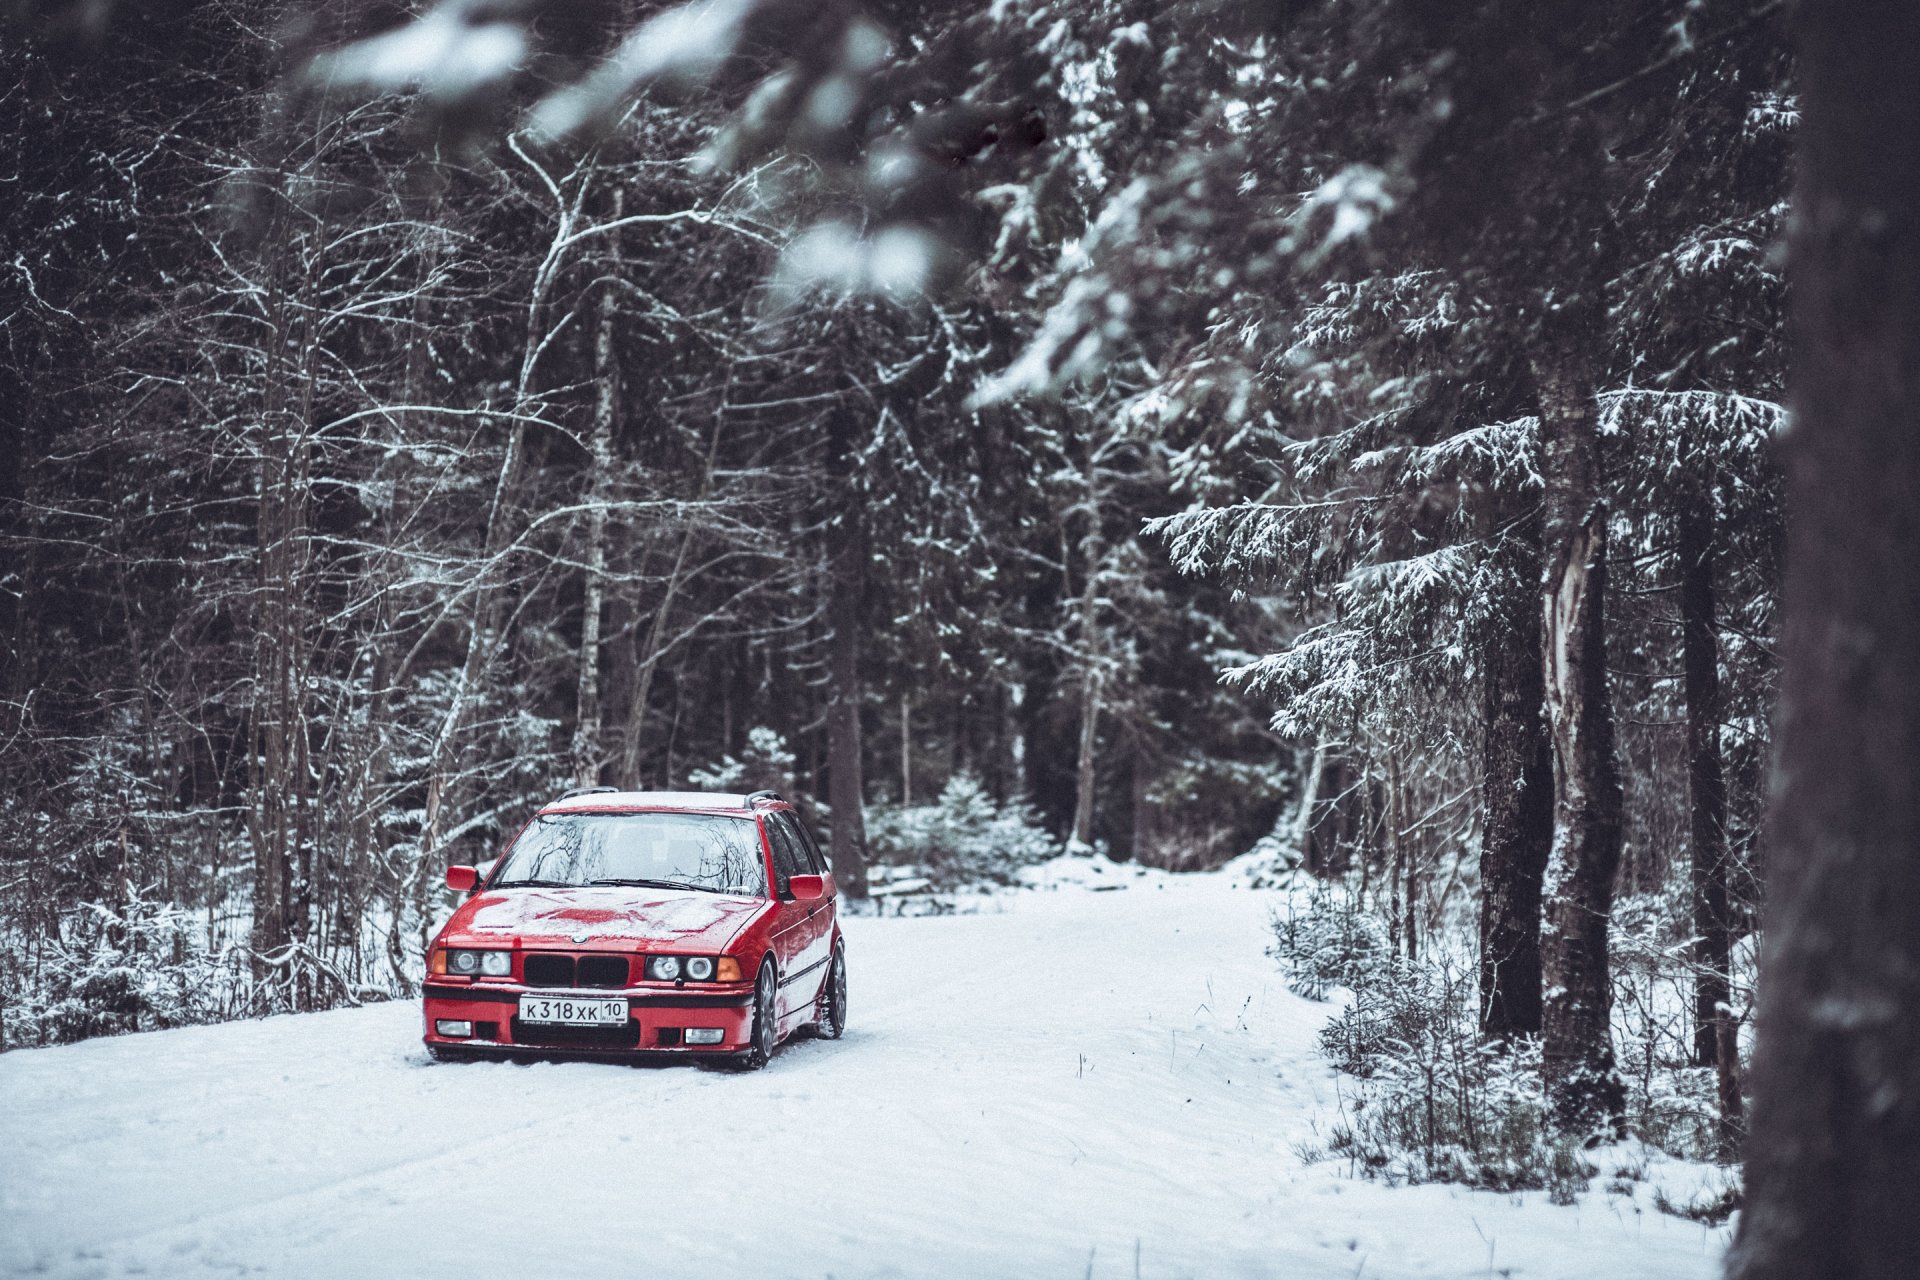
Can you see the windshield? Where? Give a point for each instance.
(656, 850)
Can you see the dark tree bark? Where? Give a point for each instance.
(1576, 1040)
(846, 582)
(1092, 653)
(1516, 787)
(1716, 1042)
(1833, 1160)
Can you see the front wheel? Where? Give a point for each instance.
(832, 1010)
(765, 1023)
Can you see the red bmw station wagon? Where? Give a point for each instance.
(626, 922)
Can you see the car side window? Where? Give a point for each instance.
(815, 856)
(788, 860)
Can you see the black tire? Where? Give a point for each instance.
(765, 1022)
(830, 1019)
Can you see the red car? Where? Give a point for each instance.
(621, 923)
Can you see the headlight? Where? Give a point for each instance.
(468, 964)
(693, 969)
(663, 968)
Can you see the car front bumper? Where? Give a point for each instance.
(657, 1019)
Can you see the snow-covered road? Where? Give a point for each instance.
(1071, 1083)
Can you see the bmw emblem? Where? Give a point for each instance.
(579, 937)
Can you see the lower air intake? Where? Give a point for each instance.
(544, 1035)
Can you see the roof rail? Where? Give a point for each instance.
(587, 791)
(765, 793)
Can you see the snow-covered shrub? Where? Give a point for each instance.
(1329, 941)
(767, 761)
(1274, 861)
(146, 966)
(1389, 1012)
(1433, 1104)
(1672, 1104)
(1446, 1109)
(136, 968)
(1202, 811)
(964, 838)
(1427, 1101)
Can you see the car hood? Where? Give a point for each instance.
(633, 919)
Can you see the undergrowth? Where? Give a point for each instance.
(1424, 1099)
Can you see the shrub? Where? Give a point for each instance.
(1434, 1105)
(144, 967)
(1427, 1101)
(1332, 943)
(767, 761)
(965, 838)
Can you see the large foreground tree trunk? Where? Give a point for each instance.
(1576, 1040)
(1717, 1042)
(1516, 787)
(1833, 1160)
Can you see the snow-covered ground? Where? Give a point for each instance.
(1070, 1082)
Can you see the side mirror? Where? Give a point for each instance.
(807, 888)
(463, 878)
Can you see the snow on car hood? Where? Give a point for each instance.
(676, 919)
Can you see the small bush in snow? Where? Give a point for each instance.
(965, 838)
(1671, 1103)
(1431, 1103)
(116, 971)
(145, 966)
(1332, 942)
(766, 762)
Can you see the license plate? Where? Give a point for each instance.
(574, 1011)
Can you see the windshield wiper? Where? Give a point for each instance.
(533, 884)
(657, 884)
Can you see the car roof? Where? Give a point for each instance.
(696, 801)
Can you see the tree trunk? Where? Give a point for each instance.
(1395, 875)
(280, 777)
(1833, 1158)
(906, 751)
(606, 378)
(1084, 768)
(846, 585)
(1516, 788)
(651, 647)
(1409, 860)
(1303, 816)
(1716, 1033)
(848, 830)
(1091, 652)
(1576, 1040)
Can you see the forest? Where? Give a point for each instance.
(1340, 438)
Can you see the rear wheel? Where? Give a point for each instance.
(832, 1010)
(765, 1023)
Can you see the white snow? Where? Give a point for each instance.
(1067, 1082)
